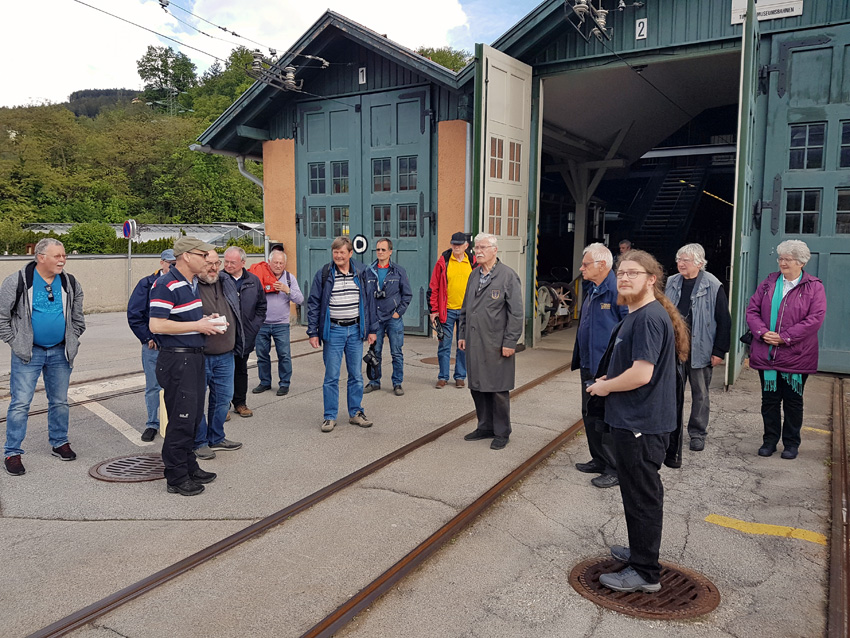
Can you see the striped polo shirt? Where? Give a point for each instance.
(172, 298)
(345, 296)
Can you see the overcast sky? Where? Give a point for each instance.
(50, 48)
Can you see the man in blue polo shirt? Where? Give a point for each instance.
(177, 318)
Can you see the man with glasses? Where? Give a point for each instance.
(391, 289)
(41, 318)
(600, 313)
(138, 315)
(489, 328)
(178, 321)
(702, 302)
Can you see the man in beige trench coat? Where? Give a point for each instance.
(491, 323)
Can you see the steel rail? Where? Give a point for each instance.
(109, 603)
(367, 596)
(839, 555)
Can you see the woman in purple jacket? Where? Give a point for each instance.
(784, 315)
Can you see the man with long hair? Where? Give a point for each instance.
(640, 407)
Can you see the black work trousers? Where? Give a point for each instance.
(638, 460)
(183, 380)
(771, 412)
(493, 410)
(240, 381)
(597, 432)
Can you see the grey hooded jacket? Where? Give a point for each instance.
(16, 317)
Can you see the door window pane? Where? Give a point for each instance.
(407, 218)
(340, 217)
(339, 172)
(407, 173)
(494, 216)
(318, 221)
(806, 147)
(844, 158)
(513, 218)
(497, 157)
(381, 221)
(842, 215)
(317, 178)
(381, 175)
(802, 212)
(514, 161)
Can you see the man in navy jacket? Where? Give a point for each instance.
(391, 288)
(138, 311)
(599, 314)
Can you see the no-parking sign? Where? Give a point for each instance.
(130, 229)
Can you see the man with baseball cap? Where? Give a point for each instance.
(445, 299)
(138, 315)
(178, 321)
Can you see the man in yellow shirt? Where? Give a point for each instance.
(445, 299)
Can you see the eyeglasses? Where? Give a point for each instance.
(217, 264)
(785, 260)
(49, 290)
(682, 260)
(382, 250)
(631, 274)
(204, 255)
(588, 264)
(482, 247)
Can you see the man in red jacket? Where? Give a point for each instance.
(445, 299)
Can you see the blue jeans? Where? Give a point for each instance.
(444, 349)
(279, 332)
(52, 363)
(394, 329)
(219, 372)
(152, 388)
(343, 340)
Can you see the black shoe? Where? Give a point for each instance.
(605, 480)
(186, 488)
(149, 435)
(673, 463)
(14, 465)
(697, 445)
(477, 435)
(199, 476)
(789, 453)
(499, 443)
(282, 391)
(261, 388)
(591, 467)
(64, 452)
(767, 450)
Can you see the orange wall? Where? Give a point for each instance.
(279, 196)
(451, 180)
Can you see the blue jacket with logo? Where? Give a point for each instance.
(599, 314)
(397, 287)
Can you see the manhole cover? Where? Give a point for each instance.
(684, 593)
(130, 469)
(435, 362)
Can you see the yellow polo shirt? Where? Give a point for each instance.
(457, 274)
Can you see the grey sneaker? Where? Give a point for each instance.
(205, 453)
(370, 387)
(226, 445)
(361, 420)
(622, 554)
(328, 425)
(398, 390)
(628, 580)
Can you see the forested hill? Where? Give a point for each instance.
(105, 156)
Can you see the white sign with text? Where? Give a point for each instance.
(767, 9)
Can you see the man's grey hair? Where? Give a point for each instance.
(278, 252)
(695, 251)
(41, 246)
(626, 243)
(793, 248)
(494, 241)
(599, 252)
(242, 254)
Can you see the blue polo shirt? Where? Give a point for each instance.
(173, 298)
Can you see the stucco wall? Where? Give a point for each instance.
(451, 180)
(103, 277)
(279, 197)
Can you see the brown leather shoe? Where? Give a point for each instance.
(460, 383)
(441, 383)
(243, 411)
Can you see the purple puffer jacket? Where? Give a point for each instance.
(800, 317)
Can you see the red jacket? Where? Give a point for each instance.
(266, 276)
(439, 284)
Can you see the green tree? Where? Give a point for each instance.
(454, 59)
(167, 75)
(90, 238)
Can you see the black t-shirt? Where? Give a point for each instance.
(646, 335)
(685, 300)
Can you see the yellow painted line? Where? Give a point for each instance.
(768, 530)
(818, 430)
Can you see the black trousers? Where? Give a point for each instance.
(493, 410)
(183, 380)
(597, 432)
(240, 381)
(638, 460)
(771, 413)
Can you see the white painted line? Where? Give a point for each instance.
(111, 418)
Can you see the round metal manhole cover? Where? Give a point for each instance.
(435, 362)
(684, 593)
(130, 469)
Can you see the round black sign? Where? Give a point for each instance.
(360, 244)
